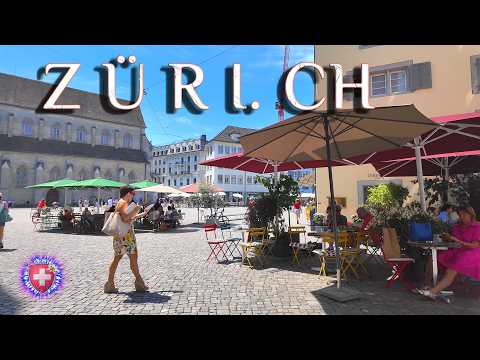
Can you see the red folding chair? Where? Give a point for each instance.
(216, 245)
(397, 263)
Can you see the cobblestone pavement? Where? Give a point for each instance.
(182, 282)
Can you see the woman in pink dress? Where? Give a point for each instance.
(464, 260)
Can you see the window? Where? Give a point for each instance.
(194, 180)
(27, 127)
(249, 180)
(226, 179)
(168, 182)
(195, 158)
(475, 72)
(240, 180)
(182, 160)
(131, 177)
(255, 180)
(55, 132)
(379, 85)
(227, 149)
(81, 135)
(220, 149)
(105, 138)
(178, 149)
(190, 147)
(163, 170)
(220, 179)
(188, 169)
(127, 141)
(188, 181)
(172, 151)
(398, 81)
(22, 176)
(195, 167)
(188, 158)
(233, 180)
(175, 182)
(342, 201)
(184, 148)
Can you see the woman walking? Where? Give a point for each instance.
(297, 209)
(127, 244)
(4, 217)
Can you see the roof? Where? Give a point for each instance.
(54, 147)
(224, 135)
(30, 94)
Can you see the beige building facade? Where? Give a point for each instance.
(440, 80)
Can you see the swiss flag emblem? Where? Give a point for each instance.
(41, 277)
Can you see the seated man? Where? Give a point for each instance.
(89, 219)
(367, 226)
(67, 219)
(341, 219)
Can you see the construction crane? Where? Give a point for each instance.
(279, 104)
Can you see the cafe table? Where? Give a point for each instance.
(434, 246)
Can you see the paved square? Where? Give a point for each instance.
(181, 282)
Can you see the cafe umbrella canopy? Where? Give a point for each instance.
(320, 135)
(96, 183)
(55, 184)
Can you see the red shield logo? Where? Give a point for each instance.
(41, 277)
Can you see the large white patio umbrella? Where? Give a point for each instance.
(320, 135)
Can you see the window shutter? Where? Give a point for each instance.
(420, 76)
(475, 72)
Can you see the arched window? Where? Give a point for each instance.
(55, 132)
(131, 177)
(27, 127)
(127, 141)
(82, 175)
(22, 176)
(55, 174)
(81, 135)
(105, 137)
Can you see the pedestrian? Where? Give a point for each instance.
(110, 202)
(4, 218)
(297, 209)
(127, 244)
(85, 203)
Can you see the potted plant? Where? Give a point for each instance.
(268, 208)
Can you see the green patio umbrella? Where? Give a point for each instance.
(55, 184)
(96, 183)
(52, 184)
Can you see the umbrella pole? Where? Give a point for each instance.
(332, 199)
(421, 185)
(98, 201)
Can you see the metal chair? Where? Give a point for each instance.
(327, 255)
(216, 245)
(296, 246)
(253, 247)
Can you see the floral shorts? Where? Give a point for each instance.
(125, 245)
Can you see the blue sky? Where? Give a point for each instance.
(261, 69)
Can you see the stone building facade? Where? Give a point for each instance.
(177, 164)
(89, 142)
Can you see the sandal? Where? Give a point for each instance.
(140, 286)
(428, 294)
(109, 288)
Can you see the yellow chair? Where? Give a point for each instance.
(257, 234)
(326, 255)
(296, 247)
(351, 255)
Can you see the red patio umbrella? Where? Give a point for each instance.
(260, 166)
(433, 165)
(195, 188)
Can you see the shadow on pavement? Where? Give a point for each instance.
(7, 250)
(158, 297)
(8, 304)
